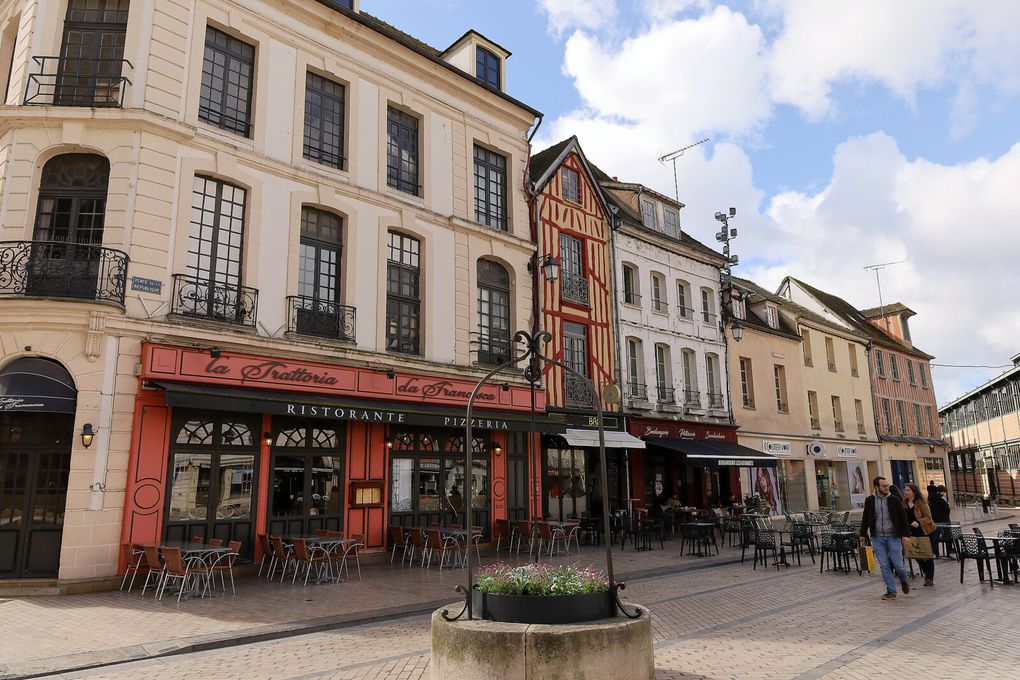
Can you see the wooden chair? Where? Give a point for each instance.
(309, 557)
(215, 542)
(179, 568)
(224, 564)
(418, 542)
(501, 530)
(522, 529)
(398, 540)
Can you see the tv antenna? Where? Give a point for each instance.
(877, 268)
(672, 156)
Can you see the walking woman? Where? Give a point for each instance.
(921, 524)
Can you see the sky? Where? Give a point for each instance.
(845, 133)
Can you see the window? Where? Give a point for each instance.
(692, 395)
(324, 121)
(738, 308)
(403, 295)
(901, 413)
(853, 359)
(215, 248)
(571, 185)
(573, 285)
(714, 386)
(931, 422)
(490, 188)
(635, 379)
(921, 368)
(859, 411)
(402, 151)
(779, 373)
(894, 367)
(910, 372)
(806, 346)
(493, 313)
(630, 285)
(837, 413)
(917, 420)
(227, 70)
(879, 363)
(887, 415)
(771, 316)
(575, 356)
(830, 354)
(659, 303)
(746, 383)
(683, 300)
(663, 382)
(707, 308)
(316, 308)
(672, 221)
(91, 56)
(648, 214)
(812, 403)
(487, 67)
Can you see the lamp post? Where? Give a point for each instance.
(724, 236)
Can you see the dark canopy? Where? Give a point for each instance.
(34, 384)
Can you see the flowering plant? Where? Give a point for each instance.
(540, 579)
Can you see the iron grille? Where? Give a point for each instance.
(666, 395)
(637, 391)
(323, 319)
(715, 400)
(59, 269)
(575, 392)
(574, 288)
(71, 81)
(692, 399)
(215, 301)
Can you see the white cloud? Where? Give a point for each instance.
(567, 15)
(660, 10)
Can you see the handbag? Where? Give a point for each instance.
(866, 557)
(919, 548)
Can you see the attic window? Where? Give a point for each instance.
(772, 316)
(487, 67)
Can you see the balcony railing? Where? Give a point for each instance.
(637, 391)
(213, 300)
(748, 402)
(491, 347)
(80, 271)
(660, 306)
(575, 392)
(685, 313)
(692, 398)
(708, 318)
(308, 316)
(832, 366)
(715, 400)
(808, 362)
(665, 395)
(632, 299)
(838, 424)
(70, 81)
(815, 424)
(574, 288)
(860, 429)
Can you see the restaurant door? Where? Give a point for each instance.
(35, 458)
(212, 476)
(517, 476)
(307, 474)
(566, 489)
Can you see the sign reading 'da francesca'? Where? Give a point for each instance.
(160, 362)
(776, 448)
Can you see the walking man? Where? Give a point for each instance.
(940, 514)
(886, 520)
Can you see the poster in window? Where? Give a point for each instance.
(858, 483)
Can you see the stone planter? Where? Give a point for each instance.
(545, 609)
(613, 649)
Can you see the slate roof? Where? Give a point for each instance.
(757, 294)
(800, 312)
(543, 160)
(893, 308)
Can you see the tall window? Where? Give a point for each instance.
(215, 248)
(493, 313)
(659, 303)
(575, 355)
(319, 273)
(692, 395)
(771, 316)
(812, 403)
(830, 354)
(901, 413)
(931, 422)
(487, 67)
(648, 214)
(402, 151)
(918, 423)
(663, 383)
(924, 374)
(837, 413)
(635, 381)
(571, 185)
(227, 72)
(887, 415)
(707, 308)
(91, 54)
(859, 411)
(779, 375)
(853, 359)
(806, 346)
(879, 363)
(403, 295)
(630, 285)
(324, 121)
(894, 367)
(712, 377)
(672, 221)
(910, 372)
(573, 285)
(490, 188)
(746, 383)
(683, 300)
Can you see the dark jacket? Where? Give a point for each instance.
(896, 512)
(939, 508)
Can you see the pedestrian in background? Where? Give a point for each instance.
(921, 524)
(940, 514)
(886, 522)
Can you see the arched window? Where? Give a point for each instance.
(493, 313)
(663, 375)
(72, 199)
(692, 395)
(403, 294)
(316, 309)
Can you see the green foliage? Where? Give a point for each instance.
(541, 579)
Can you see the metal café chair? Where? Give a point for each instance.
(179, 568)
(224, 565)
(398, 539)
(353, 550)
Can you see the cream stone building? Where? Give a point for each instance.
(293, 182)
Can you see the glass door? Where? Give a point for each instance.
(307, 468)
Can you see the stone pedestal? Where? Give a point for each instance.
(489, 650)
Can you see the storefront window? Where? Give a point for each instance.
(307, 477)
(832, 484)
(189, 490)
(401, 484)
(288, 486)
(566, 483)
(793, 485)
(429, 499)
(235, 487)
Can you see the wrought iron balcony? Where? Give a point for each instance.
(574, 288)
(715, 400)
(685, 313)
(69, 81)
(808, 362)
(748, 401)
(632, 299)
(575, 392)
(838, 425)
(665, 395)
(213, 300)
(80, 271)
(491, 348)
(832, 366)
(815, 424)
(637, 391)
(708, 318)
(692, 398)
(323, 319)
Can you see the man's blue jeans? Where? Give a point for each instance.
(889, 555)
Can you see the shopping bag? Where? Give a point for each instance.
(919, 548)
(866, 557)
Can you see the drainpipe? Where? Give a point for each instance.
(534, 456)
(99, 466)
(613, 226)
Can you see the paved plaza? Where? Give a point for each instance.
(712, 618)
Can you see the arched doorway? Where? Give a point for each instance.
(37, 403)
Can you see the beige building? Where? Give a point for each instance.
(296, 181)
(801, 392)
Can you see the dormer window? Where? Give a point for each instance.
(487, 67)
(648, 214)
(771, 316)
(738, 309)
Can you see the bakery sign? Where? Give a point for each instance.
(664, 429)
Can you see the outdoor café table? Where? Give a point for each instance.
(841, 536)
(327, 543)
(701, 530)
(189, 549)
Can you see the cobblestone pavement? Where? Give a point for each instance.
(727, 621)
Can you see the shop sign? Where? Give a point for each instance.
(19, 403)
(776, 448)
(715, 435)
(735, 462)
(847, 452)
(661, 429)
(369, 415)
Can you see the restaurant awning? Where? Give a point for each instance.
(34, 384)
(276, 402)
(715, 454)
(614, 439)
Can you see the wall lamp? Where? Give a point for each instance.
(496, 448)
(214, 352)
(87, 435)
(267, 438)
(549, 265)
(390, 373)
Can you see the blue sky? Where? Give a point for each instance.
(845, 133)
